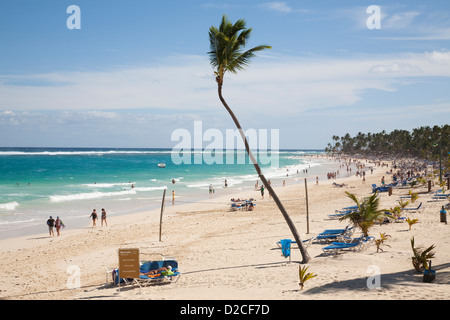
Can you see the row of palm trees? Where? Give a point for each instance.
(424, 143)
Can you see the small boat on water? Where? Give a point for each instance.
(161, 165)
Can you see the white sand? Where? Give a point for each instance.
(233, 255)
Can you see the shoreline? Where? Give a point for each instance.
(192, 196)
(226, 254)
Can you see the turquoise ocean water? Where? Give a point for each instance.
(36, 183)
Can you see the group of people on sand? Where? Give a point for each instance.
(57, 223)
(94, 217)
(248, 204)
(54, 224)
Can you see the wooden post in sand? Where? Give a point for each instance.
(307, 209)
(162, 210)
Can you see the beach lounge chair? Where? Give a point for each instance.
(340, 213)
(396, 219)
(236, 206)
(356, 244)
(350, 208)
(380, 188)
(333, 234)
(145, 267)
(169, 275)
(337, 247)
(440, 196)
(347, 230)
(306, 242)
(414, 209)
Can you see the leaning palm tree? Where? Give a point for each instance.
(366, 214)
(226, 54)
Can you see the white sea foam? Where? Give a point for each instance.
(108, 185)
(69, 153)
(88, 196)
(16, 222)
(8, 205)
(149, 188)
(200, 185)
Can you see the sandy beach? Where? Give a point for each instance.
(225, 254)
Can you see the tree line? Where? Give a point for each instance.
(423, 143)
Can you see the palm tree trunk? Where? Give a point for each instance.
(291, 225)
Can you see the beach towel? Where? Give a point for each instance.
(286, 247)
(167, 273)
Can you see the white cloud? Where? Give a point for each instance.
(281, 83)
(396, 67)
(439, 57)
(400, 20)
(277, 6)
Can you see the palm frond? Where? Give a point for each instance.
(420, 256)
(226, 46)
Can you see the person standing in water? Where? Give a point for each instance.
(94, 218)
(104, 217)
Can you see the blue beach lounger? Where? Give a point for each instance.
(356, 245)
(413, 209)
(146, 266)
(170, 274)
(306, 242)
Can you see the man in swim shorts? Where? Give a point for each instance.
(51, 224)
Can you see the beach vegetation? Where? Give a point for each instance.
(421, 256)
(411, 222)
(227, 54)
(414, 197)
(304, 276)
(367, 213)
(403, 204)
(396, 211)
(381, 241)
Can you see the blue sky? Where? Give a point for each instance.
(138, 70)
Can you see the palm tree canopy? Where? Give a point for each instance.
(226, 47)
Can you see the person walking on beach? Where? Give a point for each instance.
(94, 218)
(262, 192)
(104, 217)
(51, 224)
(173, 197)
(58, 225)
